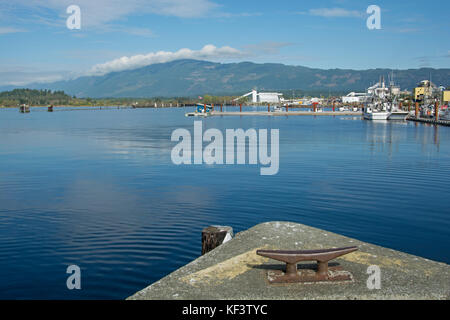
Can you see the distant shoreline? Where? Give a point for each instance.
(62, 106)
(98, 106)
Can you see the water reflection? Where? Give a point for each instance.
(389, 136)
(98, 188)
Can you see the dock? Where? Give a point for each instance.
(275, 113)
(431, 121)
(24, 109)
(233, 270)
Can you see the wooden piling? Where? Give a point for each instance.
(221, 107)
(417, 110)
(268, 107)
(436, 111)
(214, 236)
(240, 106)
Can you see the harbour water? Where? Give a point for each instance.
(97, 188)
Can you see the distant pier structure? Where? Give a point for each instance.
(262, 97)
(24, 108)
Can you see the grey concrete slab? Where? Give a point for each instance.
(233, 271)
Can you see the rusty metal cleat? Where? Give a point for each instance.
(324, 273)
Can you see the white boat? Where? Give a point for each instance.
(445, 115)
(427, 111)
(381, 103)
(376, 111)
(399, 115)
(278, 109)
(374, 114)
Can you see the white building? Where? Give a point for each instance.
(263, 97)
(354, 97)
(269, 97)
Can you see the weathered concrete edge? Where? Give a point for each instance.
(216, 257)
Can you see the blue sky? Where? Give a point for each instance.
(117, 35)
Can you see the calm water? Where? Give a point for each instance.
(97, 188)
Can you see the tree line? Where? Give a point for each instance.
(45, 97)
(32, 97)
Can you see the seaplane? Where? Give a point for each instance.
(203, 110)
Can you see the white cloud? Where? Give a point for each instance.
(407, 30)
(209, 52)
(6, 30)
(335, 12)
(20, 78)
(25, 75)
(139, 32)
(238, 15)
(101, 12)
(267, 47)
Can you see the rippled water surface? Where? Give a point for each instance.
(97, 188)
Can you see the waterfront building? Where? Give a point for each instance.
(446, 96)
(269, 97)
(263, 97)
(354, 97)
(423, 90)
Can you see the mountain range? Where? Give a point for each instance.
(189, 78)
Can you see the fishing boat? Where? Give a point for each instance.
(397, 113)
(445, 114)
(427, 111)
(371, 113)
(381, 102)
(377, 110)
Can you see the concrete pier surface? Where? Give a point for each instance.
(233, 271)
